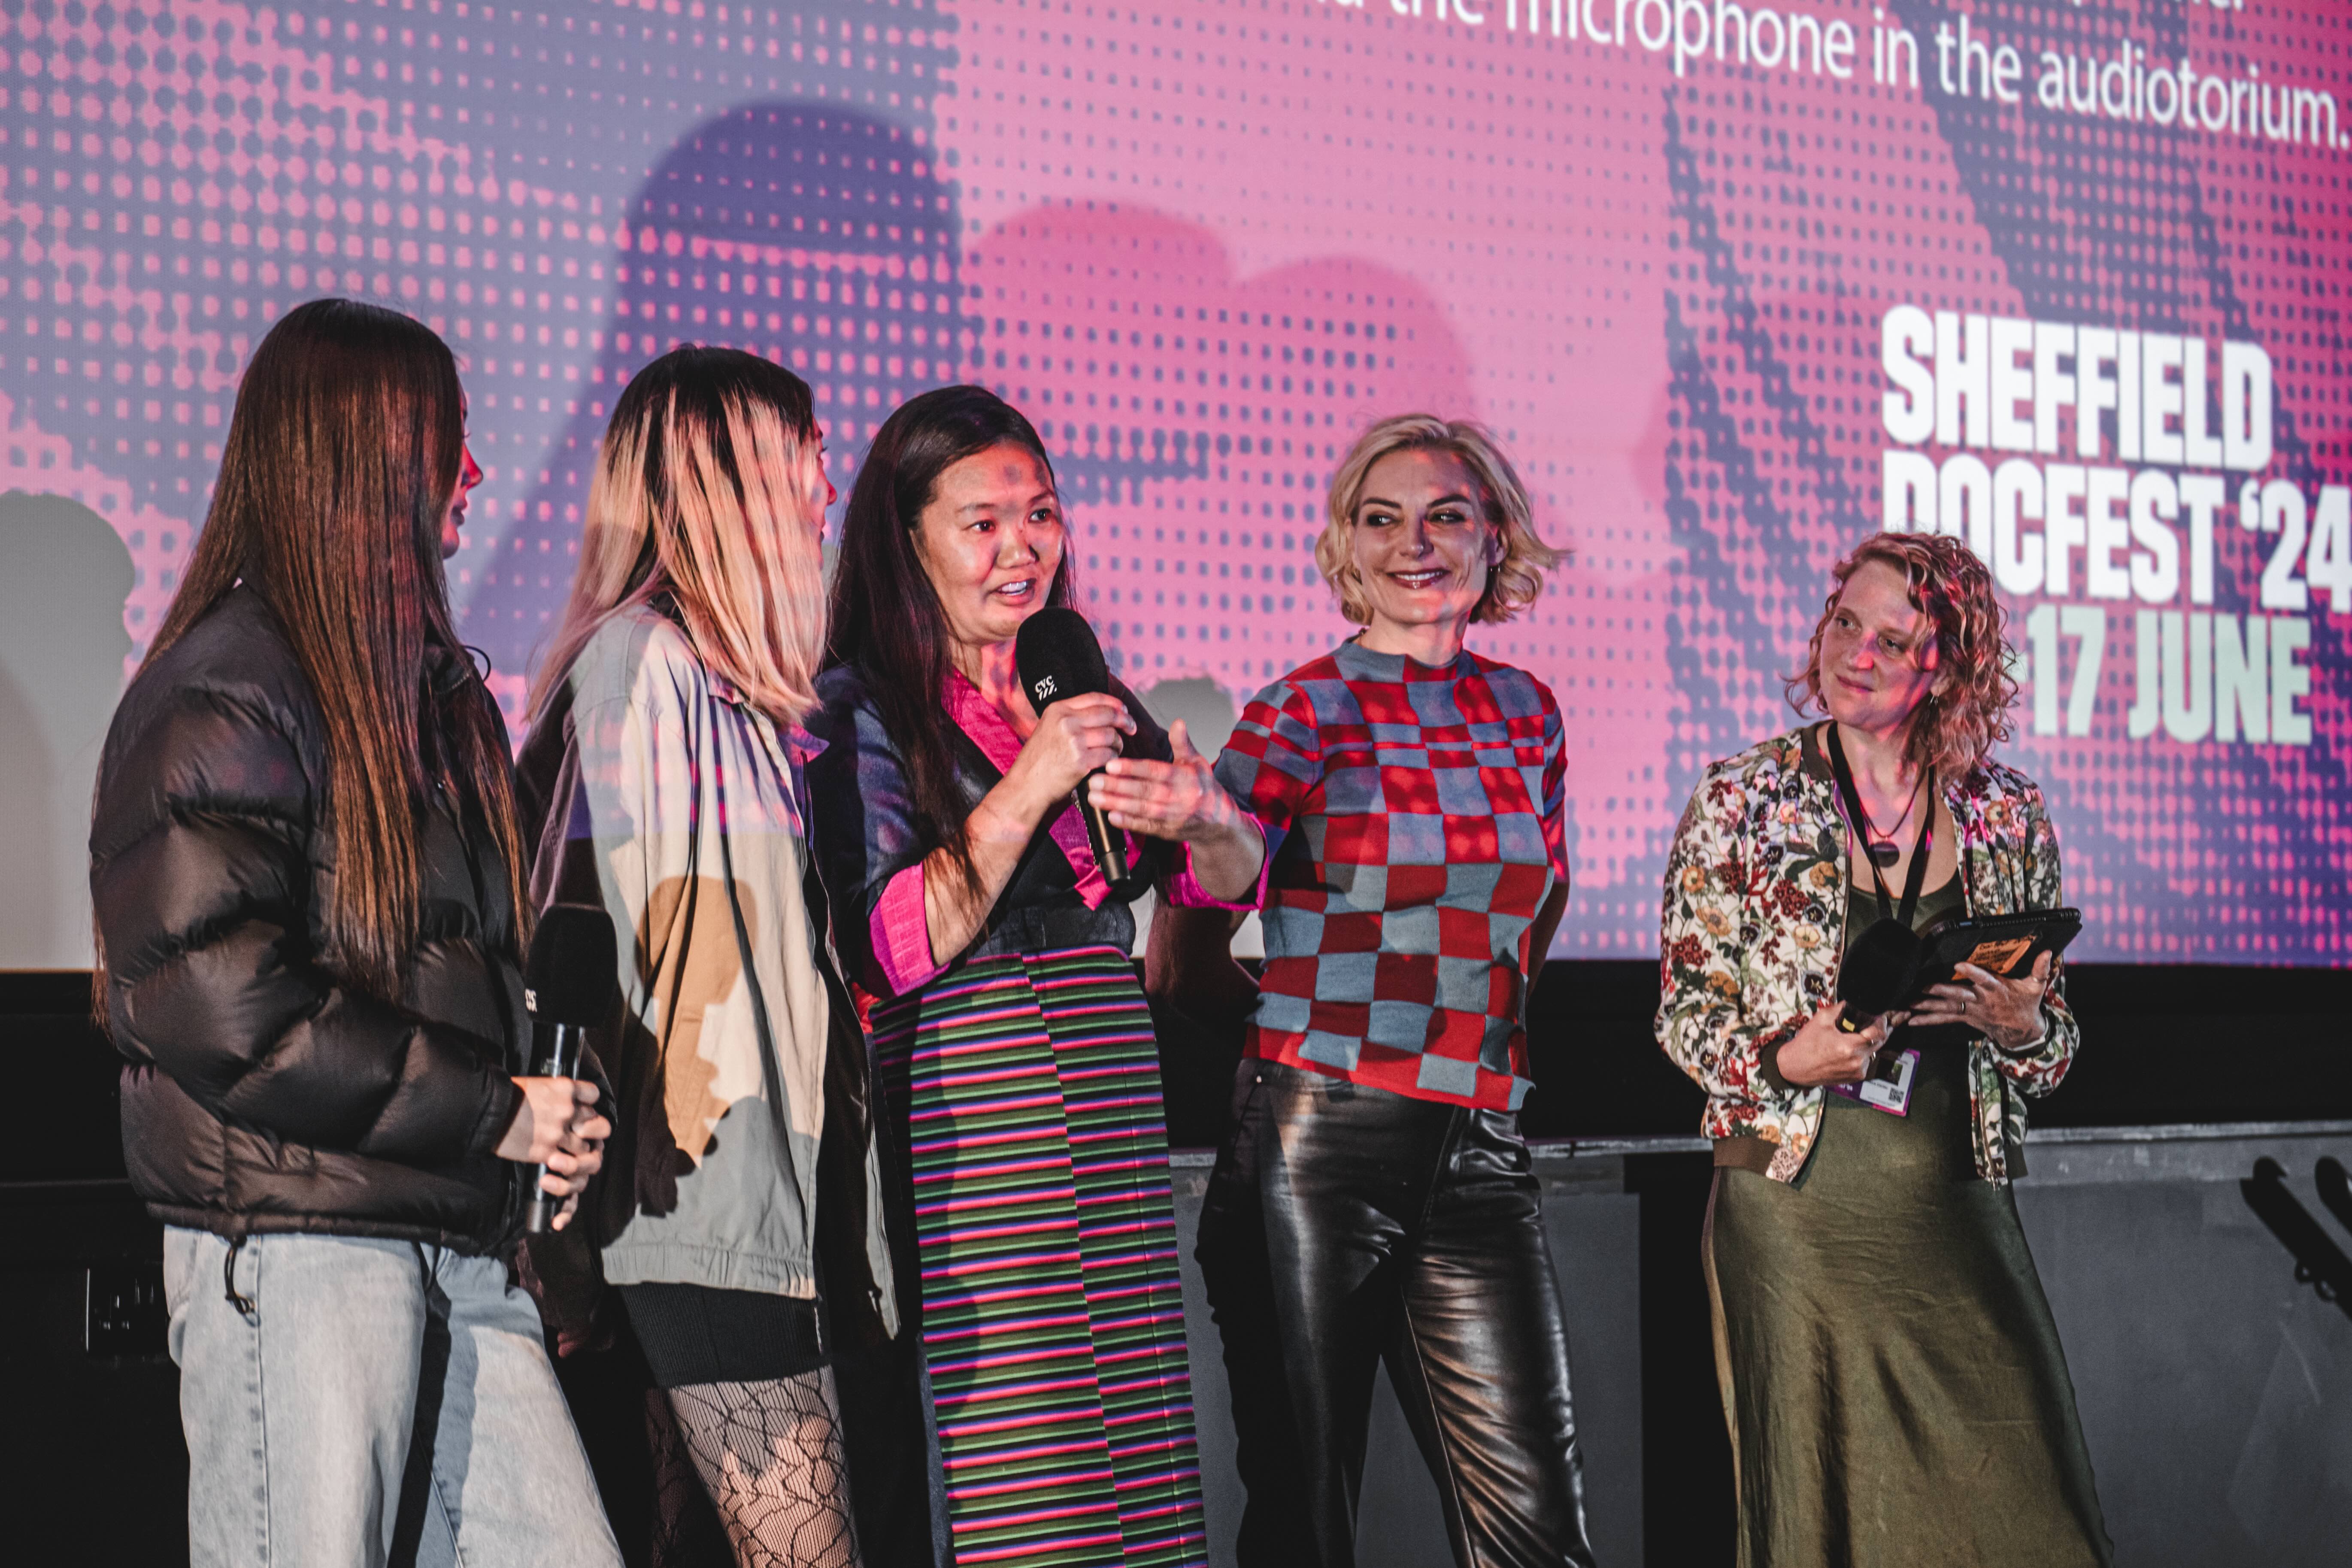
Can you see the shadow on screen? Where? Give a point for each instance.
(64, 576)
(821, 237)
(829, 240)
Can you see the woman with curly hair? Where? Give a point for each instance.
(1890, 1375)
(1374, 1200)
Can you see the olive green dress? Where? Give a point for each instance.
(1896, 1391)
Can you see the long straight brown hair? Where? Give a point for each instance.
(341, 458)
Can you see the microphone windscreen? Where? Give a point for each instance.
(571, 973)
(1056, 656)
(1878, 969)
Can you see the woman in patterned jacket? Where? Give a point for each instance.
(1890, 1375)
(664, 781)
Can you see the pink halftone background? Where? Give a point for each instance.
(1201, 246)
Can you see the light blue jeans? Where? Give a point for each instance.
(370, 1403)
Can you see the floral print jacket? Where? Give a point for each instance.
(1750, 941)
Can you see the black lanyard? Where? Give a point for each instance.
(1859, 821)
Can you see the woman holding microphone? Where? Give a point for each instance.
(1015, 1049)
(1892, 1378)
(1374, 1201)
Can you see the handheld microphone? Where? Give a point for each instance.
(1876, 974)
(1056, 656)
(569, 985)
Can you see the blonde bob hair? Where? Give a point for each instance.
(696, 509)
(1513, 582)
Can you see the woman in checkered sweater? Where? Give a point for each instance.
(1374, 1200)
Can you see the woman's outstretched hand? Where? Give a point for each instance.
(1182, 800)
(1179, 799)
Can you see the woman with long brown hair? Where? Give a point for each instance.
(1891, 1373)
(306, 883)
(663, 781)
(1038, 1243)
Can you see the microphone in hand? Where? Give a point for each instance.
(570, 984)
(1876, 974)
(1057, 656)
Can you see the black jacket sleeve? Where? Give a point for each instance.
(201, 884)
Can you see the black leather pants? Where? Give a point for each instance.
(1349, 1225)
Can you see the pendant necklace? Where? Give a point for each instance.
(1881, 850)
(1880, 846)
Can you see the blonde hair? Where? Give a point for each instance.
(694, 507)
(1514, 582)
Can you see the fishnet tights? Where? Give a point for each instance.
(769, 1456)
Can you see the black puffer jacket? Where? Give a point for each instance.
(262, 1094)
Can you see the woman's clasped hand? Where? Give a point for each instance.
(556, 1124)
(1825, 1051)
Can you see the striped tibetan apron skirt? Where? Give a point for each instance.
(1053, 1323)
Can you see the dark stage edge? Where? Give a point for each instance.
(2215, 1384)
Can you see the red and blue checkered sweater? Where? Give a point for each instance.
(1415, 823)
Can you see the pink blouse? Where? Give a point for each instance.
(900, 928)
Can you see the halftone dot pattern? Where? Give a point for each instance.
(1339, 168)
(2204, 849)
(817, 235)
(1201, 246)
(1797, 247)
(1226, 401)
(173, 177)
